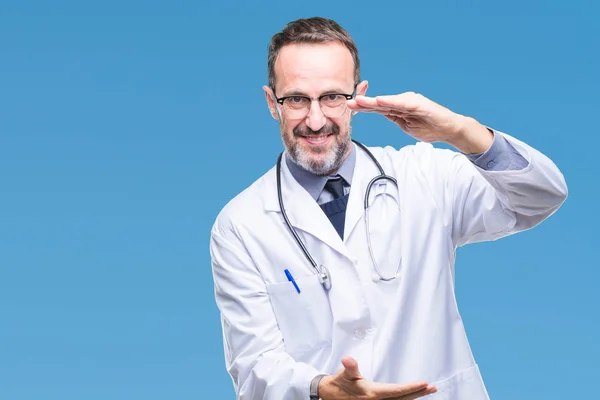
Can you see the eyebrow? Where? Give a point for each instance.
(296, 92)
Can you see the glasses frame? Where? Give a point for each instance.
(281, 100)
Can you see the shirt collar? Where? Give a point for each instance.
(314, 184)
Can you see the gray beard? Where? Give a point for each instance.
(332, 161)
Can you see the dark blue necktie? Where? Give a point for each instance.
(336, 208)
(335, 186)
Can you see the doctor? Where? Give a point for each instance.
(327, 294)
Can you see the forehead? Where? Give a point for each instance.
(314, 68)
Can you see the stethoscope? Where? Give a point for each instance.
(322, 271)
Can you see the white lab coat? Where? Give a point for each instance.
(408, 329)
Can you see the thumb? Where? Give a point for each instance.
(350, 372)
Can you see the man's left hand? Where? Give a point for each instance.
(427, 121)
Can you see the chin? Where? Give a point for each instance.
(319, 152)
(318, 164)
(319, 159)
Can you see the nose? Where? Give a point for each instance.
(315, 119)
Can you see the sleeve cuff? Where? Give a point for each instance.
(501, 156)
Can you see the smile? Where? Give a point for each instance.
(321, 139)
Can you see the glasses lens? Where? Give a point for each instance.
(333, 105)
(295, 113)
(334, 112)
(296, 107)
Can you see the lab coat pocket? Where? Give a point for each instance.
(304, 318)
(466, 384)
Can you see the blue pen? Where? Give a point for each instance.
(291, 279)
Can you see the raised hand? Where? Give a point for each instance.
(348, 384)
(427, 121)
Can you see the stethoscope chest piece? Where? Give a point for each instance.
(325, 277)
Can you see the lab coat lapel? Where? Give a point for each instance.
(362, 171)
(303, 211)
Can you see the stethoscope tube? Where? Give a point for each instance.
(382, 176)
(287, 220)
(322, 271)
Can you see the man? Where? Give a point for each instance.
(373, 315)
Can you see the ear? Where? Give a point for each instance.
(361, 88)
(271, 102)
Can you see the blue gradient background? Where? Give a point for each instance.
(125, 126)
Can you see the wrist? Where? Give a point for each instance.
(471, 137)
(323, 386)
(316, 385)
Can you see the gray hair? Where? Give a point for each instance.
(311, 30)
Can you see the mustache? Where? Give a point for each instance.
(325, 130)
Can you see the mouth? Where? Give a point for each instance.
(317, 140)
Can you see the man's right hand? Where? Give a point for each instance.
(349, 384)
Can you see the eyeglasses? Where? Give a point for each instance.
(332, 105)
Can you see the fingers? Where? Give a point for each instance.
(392, 391)
(356, 385)
(351, 371)
(401, 122)
(363, 102)
(409, 102)
(418, 394)
(380, 110)
(406, 103)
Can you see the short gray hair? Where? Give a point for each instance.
(311, 30)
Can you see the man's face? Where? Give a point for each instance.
(316, 142)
